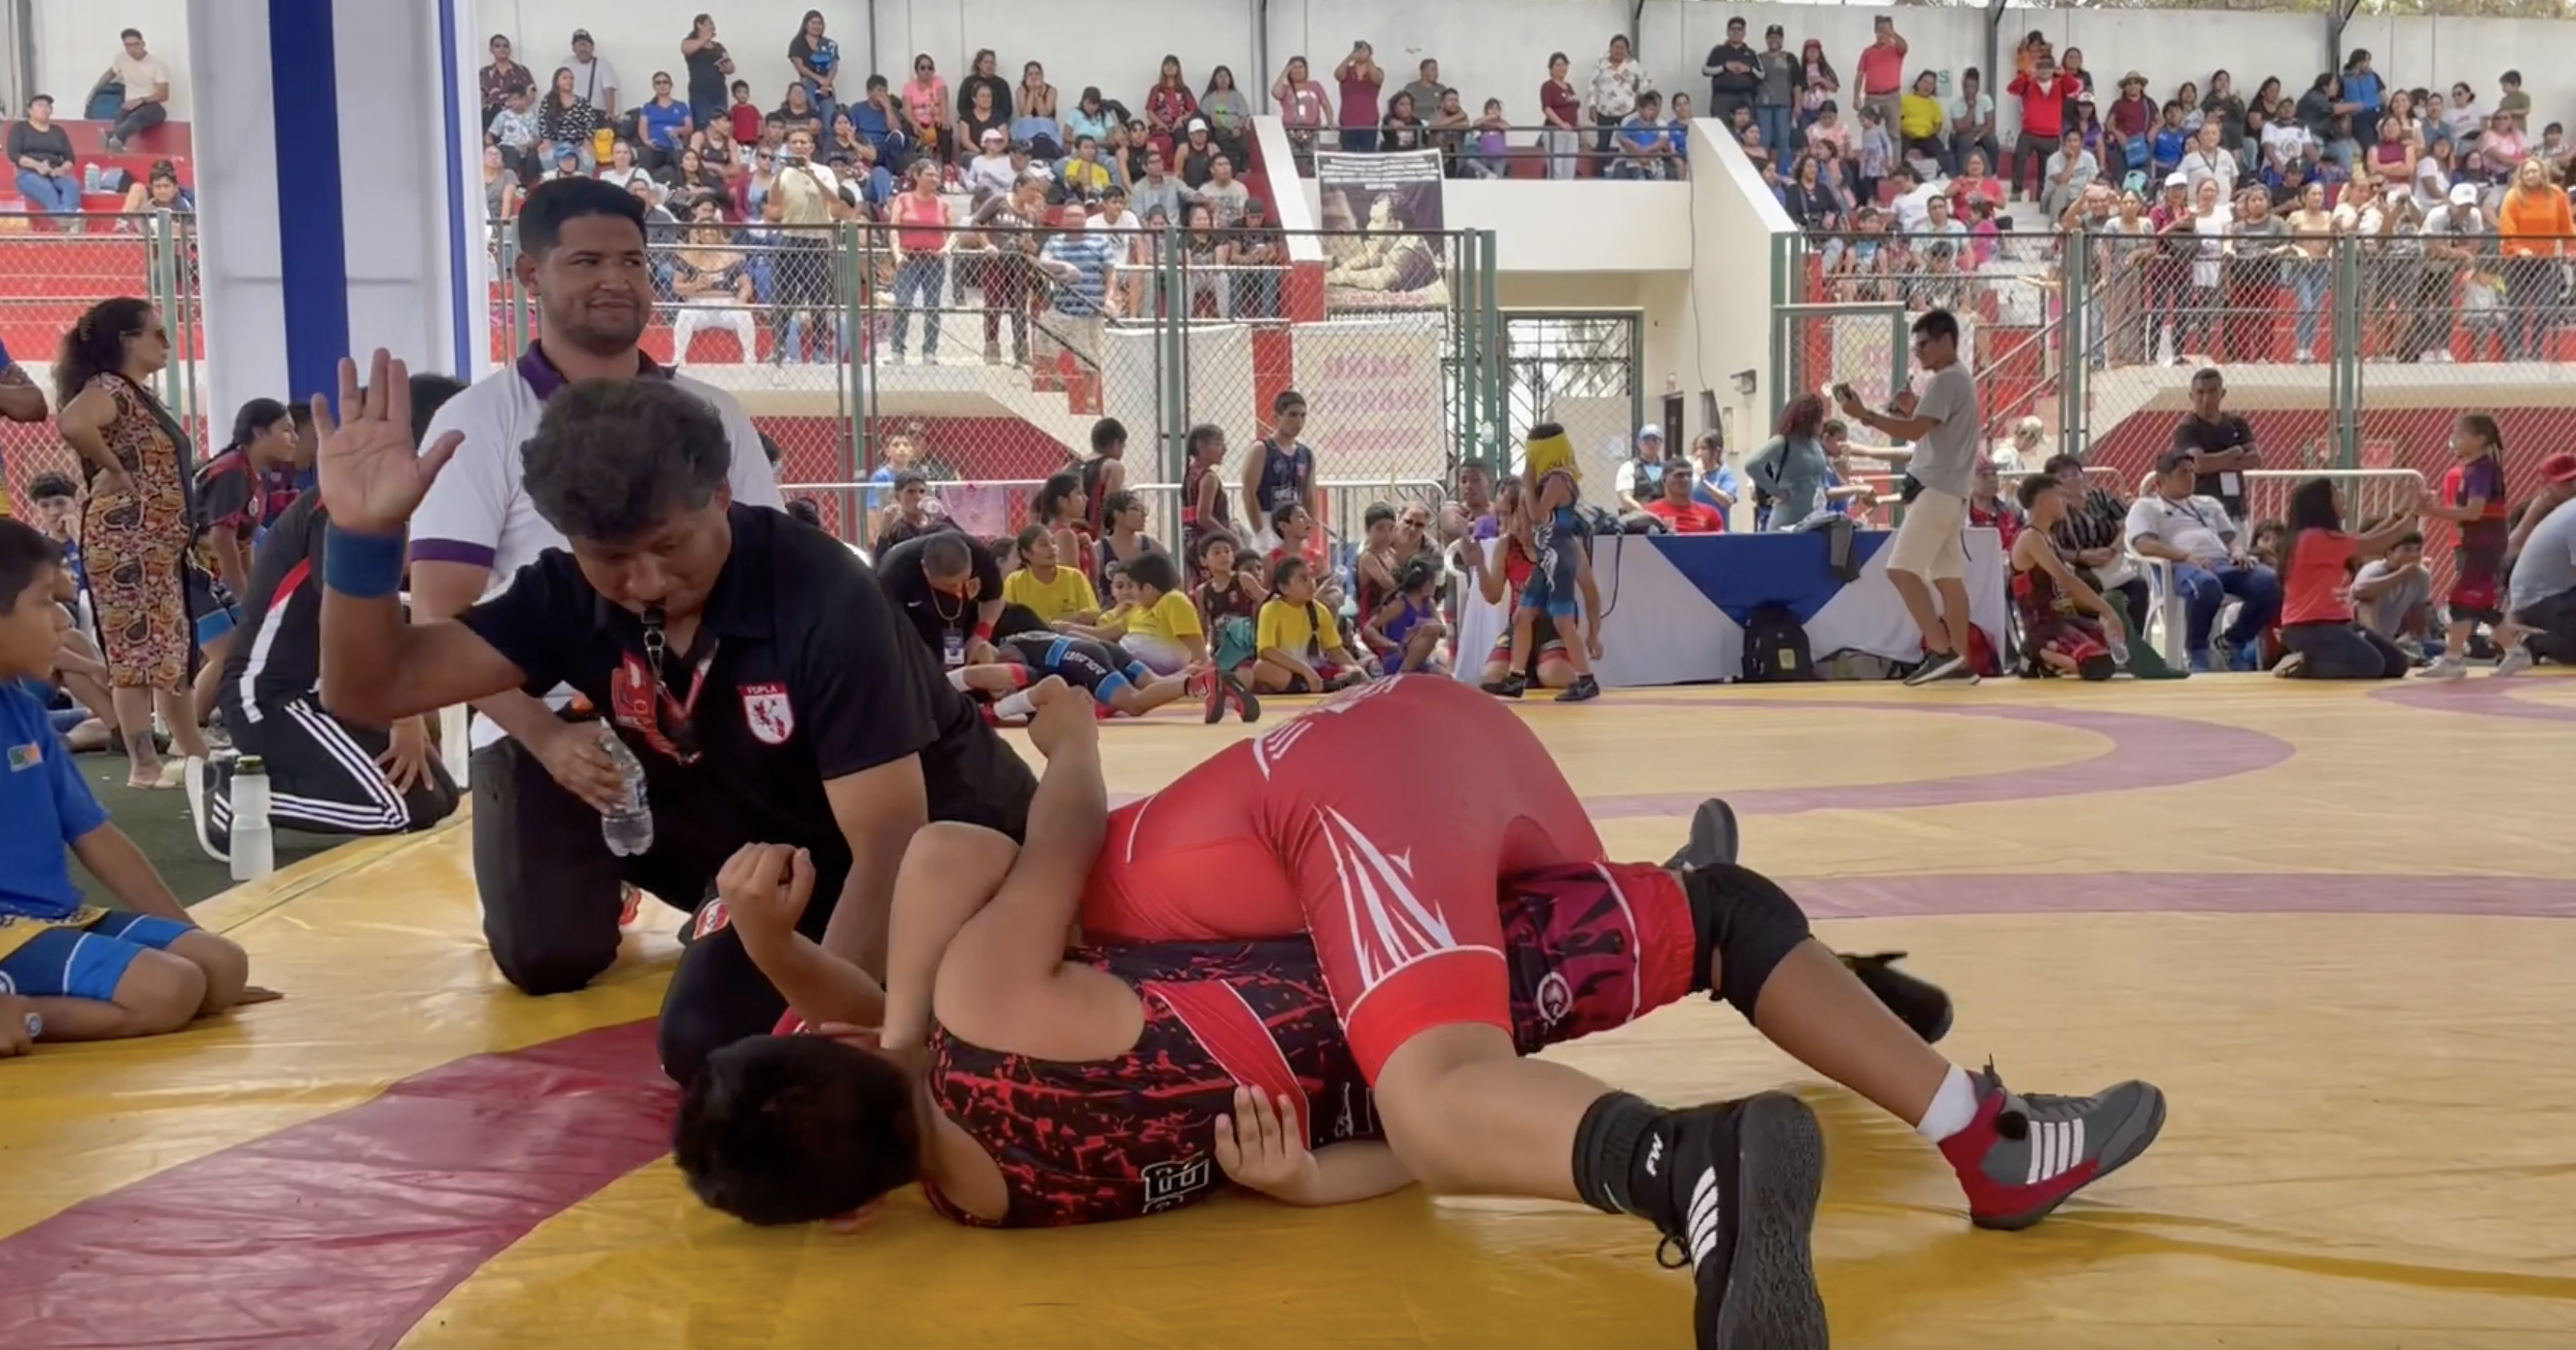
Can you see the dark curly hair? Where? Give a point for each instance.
(615, 458)
(790, 1129)
(95, 346)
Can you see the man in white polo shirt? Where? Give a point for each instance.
(549, 886)
(1929, 557)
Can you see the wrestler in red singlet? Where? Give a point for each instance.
(1585, 947)
(1274, 836)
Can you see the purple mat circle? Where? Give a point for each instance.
(2146, 751)
(2472, 697)
(1907, 896)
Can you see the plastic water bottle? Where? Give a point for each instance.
(2120, 652)
(628, 827)
(35, 1026)
(254, 849)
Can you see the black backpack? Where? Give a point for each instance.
(1775, 647)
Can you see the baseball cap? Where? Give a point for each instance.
(2559, 468)
(2176, 180)
(1649, 432)
(2466, 194)
(581, 35)
(2173, 459)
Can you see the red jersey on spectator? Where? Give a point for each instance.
(1687, 518)
(2043, 104)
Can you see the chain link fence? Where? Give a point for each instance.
(2350, 339)
(54, 275)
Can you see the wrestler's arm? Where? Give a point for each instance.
(949, 874)
(1004, 983)
(1362, 1169)
(765, 889)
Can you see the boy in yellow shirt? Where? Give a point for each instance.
(1300, 646)
(1163, 629)
(1053, 592)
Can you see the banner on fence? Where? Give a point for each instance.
(1374, 405)
(1384, 217)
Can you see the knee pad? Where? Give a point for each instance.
(2097, 667)
(1746, 926)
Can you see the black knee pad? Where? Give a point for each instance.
(2097, 667)
(1746, 927)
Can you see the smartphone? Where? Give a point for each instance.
(1844, 391)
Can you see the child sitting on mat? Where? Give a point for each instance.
(85, 973)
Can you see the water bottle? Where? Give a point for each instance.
(628, 827)
(254, 849)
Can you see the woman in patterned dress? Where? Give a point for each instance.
(135, 529)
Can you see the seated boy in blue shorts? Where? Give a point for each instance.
(86, 973)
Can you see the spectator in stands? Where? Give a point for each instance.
(926, 109)
(1560, 136)
(1734, 73)
(1920, 121)
(2202, 541)
(708, 66)
(2091, 534)
(1641, 475)
(712, 281)
(2045, 96)
(663, 125)
(135, 529)
(1083, 264)
(1619, 82)
(517, 130)
(143, 82)
(1969, 123)
(41, 153)
(1169, 104)
(1359, 80)
(2535, 225)
(1402, 128)
(568, 123)
(502, 78)
(594, 79)
(2318, 592)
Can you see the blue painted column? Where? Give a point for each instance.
(339, 194)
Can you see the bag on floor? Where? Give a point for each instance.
(1775, 647)
(1853, 664)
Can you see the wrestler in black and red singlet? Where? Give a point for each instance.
(1111, 1139)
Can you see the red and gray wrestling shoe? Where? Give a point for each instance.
(1221, 688)
(1743, 1179)
(2023, 1156)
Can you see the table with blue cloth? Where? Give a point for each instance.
(1678, 603)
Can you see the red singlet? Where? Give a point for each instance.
(1588, 947)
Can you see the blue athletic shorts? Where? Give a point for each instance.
(85, 962)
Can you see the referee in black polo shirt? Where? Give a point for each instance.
(749, 661)
(948, 585)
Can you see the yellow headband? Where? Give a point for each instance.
(1551, 454)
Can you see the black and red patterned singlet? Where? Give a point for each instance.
(1118, 1138)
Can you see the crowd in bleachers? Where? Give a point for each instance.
(117, 155)
(2204, 209)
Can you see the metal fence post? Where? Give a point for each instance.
(2343, 389)
(2075, 351)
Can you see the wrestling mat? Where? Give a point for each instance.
(2332, 922)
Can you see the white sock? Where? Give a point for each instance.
(1016, 705)
(1953, 1108)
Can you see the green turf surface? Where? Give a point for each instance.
(159, 824)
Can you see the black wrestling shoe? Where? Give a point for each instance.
(1584, 689)
(1713, 838)
(1216, 694)
(1919, 1004)
(1743, 1182)
(1510, 686)
(209, 792)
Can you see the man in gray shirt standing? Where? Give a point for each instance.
(1930, 552)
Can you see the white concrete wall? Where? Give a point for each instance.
(1489, 48)
(76, 39)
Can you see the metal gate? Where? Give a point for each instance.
(1578, 369)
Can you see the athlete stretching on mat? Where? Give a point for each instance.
(1398, 892)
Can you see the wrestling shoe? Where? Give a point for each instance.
(1713, 839)
(1247, 705)
(1919, 1004)
(1584, 689)
(1743, 1181)
(206, 792)
(2023, 1156)
(1510, 686)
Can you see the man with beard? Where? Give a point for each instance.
(551, 893)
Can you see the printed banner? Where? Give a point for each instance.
(1373, 392)
(1382, 219)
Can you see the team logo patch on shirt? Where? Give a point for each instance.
(766, 710)
(25, 757)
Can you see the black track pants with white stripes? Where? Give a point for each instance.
(322, 774)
